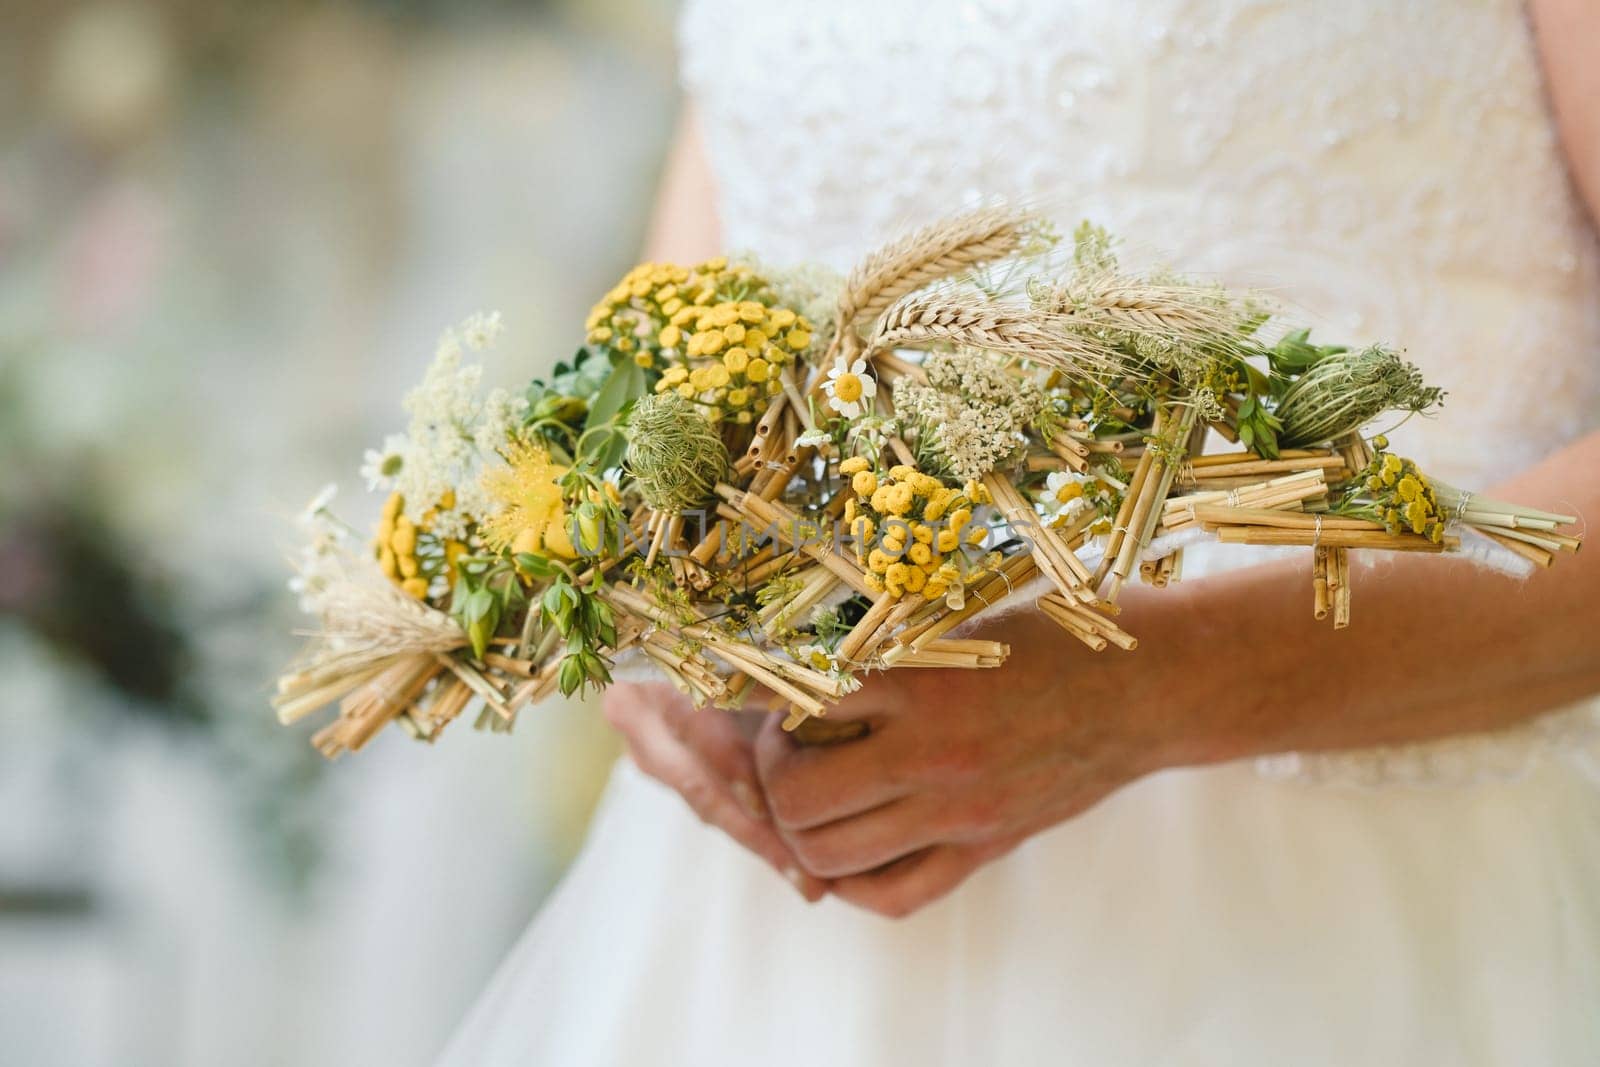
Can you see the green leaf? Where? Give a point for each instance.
(535, 566)
(624, 384)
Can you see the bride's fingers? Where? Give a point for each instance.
(808, 785)
(869, 841)
(658, 753)
(916, 881)
(716, 737)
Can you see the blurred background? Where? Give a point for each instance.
(230, 232)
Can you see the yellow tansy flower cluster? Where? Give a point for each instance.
(1403, 496)
(406, 553)
(908, 527)
(714, 330)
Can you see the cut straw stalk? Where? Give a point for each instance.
(1197, 475)
(817, 582)
(1212, 515)
(1339, 585)
(794, 681)
(1088, 626)
(1277, 493)
(1539, 557)
(1055, 560)
(363, 713)
(1146, 512)
(1012, 575)
(768, 514)
(1319, 582)
(962, 654)
(1257, 535)
(1130, 500)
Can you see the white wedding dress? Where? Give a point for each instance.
(1390, 163)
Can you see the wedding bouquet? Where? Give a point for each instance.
(782, 479)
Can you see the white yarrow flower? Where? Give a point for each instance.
(848, 386)
(481, 330)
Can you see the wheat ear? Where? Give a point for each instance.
(971, 320)
(925, 256)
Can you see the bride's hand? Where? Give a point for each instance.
(705, 757)
(962, 765)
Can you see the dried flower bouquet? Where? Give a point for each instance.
(752, 478)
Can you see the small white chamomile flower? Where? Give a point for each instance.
(849, 386)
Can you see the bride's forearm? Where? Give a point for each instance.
(1437, 647)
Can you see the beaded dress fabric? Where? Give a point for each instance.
(1391, 167)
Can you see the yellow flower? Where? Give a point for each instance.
(922, 532)
(700, 379)
(947, 541)
(864, 482)
(717, 375)
(873, 582)
(901, 500)
(711, 342)
(897, 575)
(388, 563)
(687, 391)
(979, 535)
(530, 510)
(754, 339)
(674, 375)
(669, 336)
(797, 339)
(408, 566)
(757, 370)
(782, 318)
(404, 538)
(920, 554)
(738, 398)
(644, 358)
(878, 561)
(599, 335)
(416, 587)
(915, 580)
(855, 465)
(1417, 516)
(734, 333)
(393, 506)
(736, 359)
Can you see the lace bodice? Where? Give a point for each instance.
(1389, 169)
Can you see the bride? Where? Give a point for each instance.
(1380, 846)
